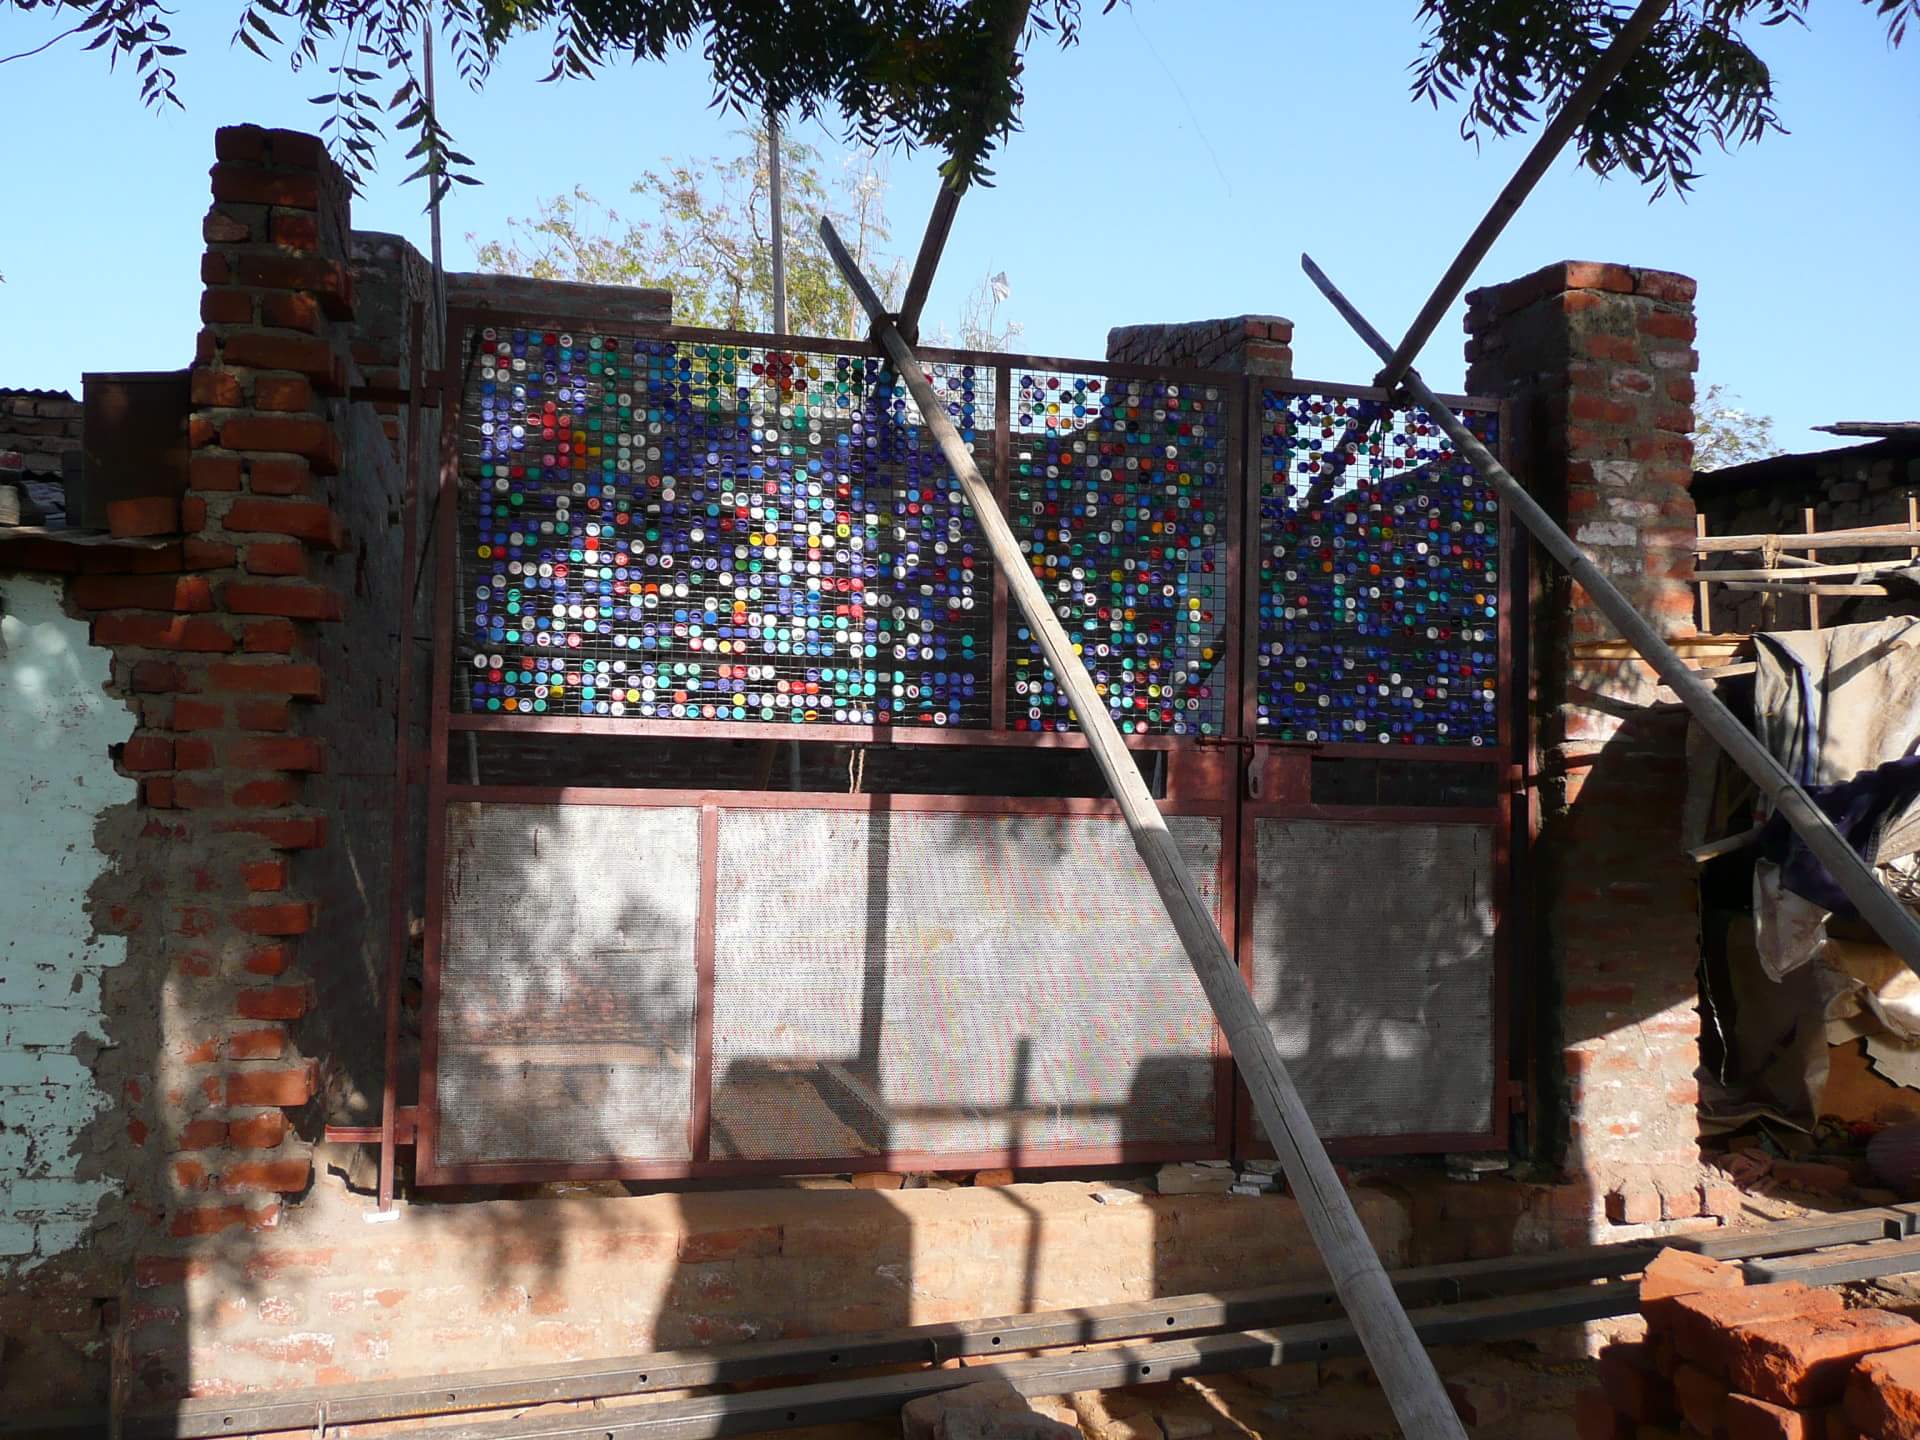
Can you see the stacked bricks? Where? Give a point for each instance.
(1765, 1362)
(1597, 363)
(40, 426)
(216, 662)
(1246, 344)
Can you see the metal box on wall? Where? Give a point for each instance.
(134, 439)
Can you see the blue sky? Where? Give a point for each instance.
(1172, 167)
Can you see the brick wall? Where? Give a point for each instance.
(1598, 361)
(1245, 344)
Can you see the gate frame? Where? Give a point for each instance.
(1196, 765)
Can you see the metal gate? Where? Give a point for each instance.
(664, 552)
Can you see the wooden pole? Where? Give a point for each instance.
(1706, 601)
(933, 242)
(1405, 1372)
(776, 223)
(1808, 519)
(1896, 927)
(1552, 140)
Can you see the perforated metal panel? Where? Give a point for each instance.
(566, 1016)
(951, 983)
(1373, 956)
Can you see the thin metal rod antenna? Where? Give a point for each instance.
(776, 222)
(1545, 151)
(1876, 905)
(1405, 1371)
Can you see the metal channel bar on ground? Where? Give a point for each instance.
(1471, 1322)
(1457, 1282)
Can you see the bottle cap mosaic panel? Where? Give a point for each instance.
(1118, 492)
(1379, 577)
(694, 530)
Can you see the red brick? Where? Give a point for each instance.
(240, 144)
(269, 637)
(292, 917)
(268, 960)
(131, 519)
(272, 1002)
(216, 387)
(1595, 1419)
(1750, 1419)
(245, 185)
(301, 435)
(1665, 285)
(1633, 1385)
(150, 1272)
(210, 1220)
(1633, 1205)
(326, 279)
(291, 598)
(1803, 1361)
(198, 554)
(266, 679)
(1586, 275)
(285, 1176)
(142, 592)
(1680, 1272)
(276, 557)
(1721, 1201)
(157, 677)
(280, 477)
(254, 1045)
(197, 794)
(221, 228)
(1702, 1399)
(292, 752)
(203, 1135)
(295, 833)
(1700, 1322)
(147, 752)
(226, 307)
(262, 876)
(1610, 347)
(193, 753)
(262, 715)
(215, 472)
(264, 1131)
(311, 357)
(189, 1174)
(270, 1087)
(296, 229)
(201, 634)
(193, 508)
(1666, 325)
(298, 149)
(303, 519)
(215, 268)
(291, 310)
(274, 794)
(1883, 1395)
(157, 792)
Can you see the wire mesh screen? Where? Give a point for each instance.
(566, 1013)
(952, 983)
(1379, 576)
(1118, 492)
(1373, 960)
(692, 530)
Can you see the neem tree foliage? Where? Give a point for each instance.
(936, 72)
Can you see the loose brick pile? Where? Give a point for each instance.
(1763, 1362)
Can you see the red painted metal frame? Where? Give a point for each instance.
(1205, 776)
(1284, 783)
(431, 1171)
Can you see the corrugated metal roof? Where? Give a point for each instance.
(32, 393)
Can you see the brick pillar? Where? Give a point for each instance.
(1246, 344)
(1599, 362)
(217, 663)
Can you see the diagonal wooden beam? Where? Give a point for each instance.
(1405, 1372)
(1877, 906)
(1545, 150)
